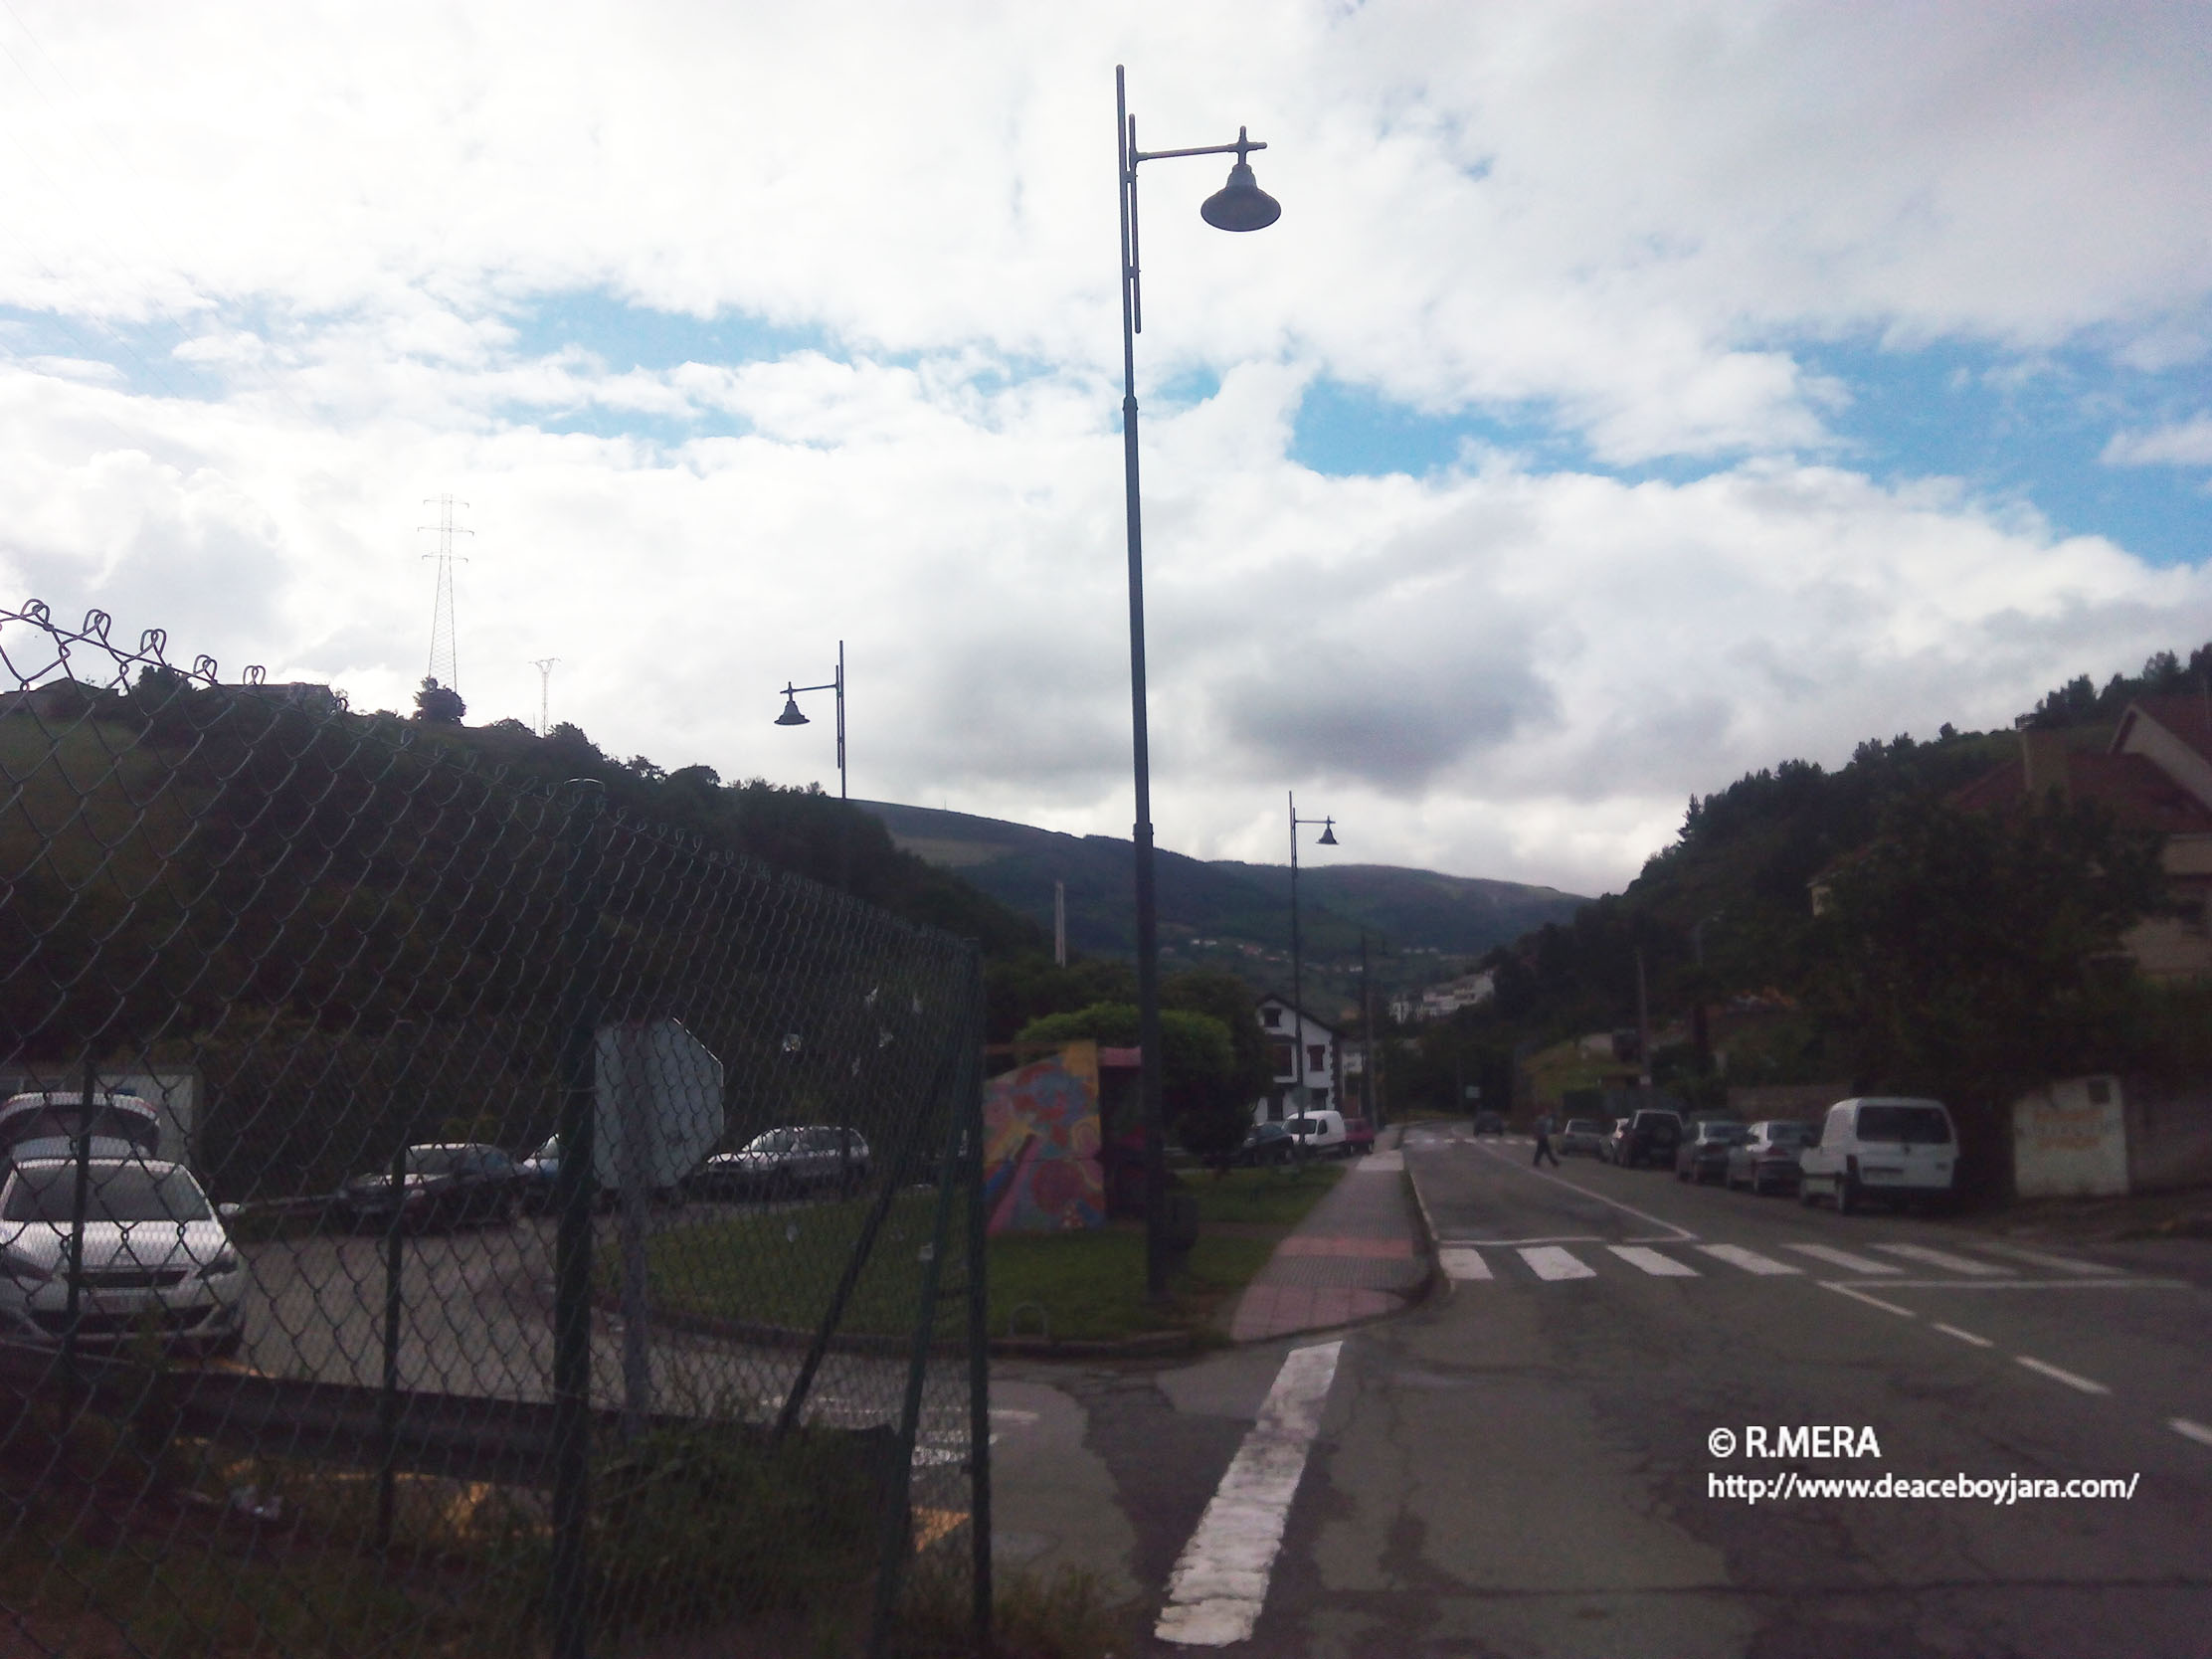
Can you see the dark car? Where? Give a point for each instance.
(445, 1185)
(1269, 1143)
(1703, 1155)
(1490, 1123)
(787, 1163)
(1648, 1135)
(1766, 1159)
(1359, 1137)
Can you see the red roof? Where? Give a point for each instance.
(2131, 788)
(2187, 716)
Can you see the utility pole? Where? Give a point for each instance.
(1059, 924)
(544, 666)
(445, 666)
(1643, 1021)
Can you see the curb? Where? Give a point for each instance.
(758, 1335)
(1436, 1275)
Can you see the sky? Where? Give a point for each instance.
(1630, 396)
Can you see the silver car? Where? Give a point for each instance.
(156, 1259)
(786, 1163)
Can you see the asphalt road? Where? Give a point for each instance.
(1524, 1466)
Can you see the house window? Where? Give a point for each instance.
(1320, 1099)
(1283, 1057)
(1317, 1056)
(1273, 1018)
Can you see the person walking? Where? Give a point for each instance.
(1543, 1143)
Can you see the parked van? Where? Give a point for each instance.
(1321, 1133)
(1880, 1147)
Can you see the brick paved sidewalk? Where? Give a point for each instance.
(1358, 1253)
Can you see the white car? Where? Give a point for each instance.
(1321, 1133)
(1892, 1148)
(156, 1258)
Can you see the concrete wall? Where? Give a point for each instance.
(2169, 1134)
(2070, 1140)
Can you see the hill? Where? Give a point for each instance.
(1227, 913)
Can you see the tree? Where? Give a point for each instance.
(439, 705)
(1199, 1075)
(1970, 955)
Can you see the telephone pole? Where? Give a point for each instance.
(445, 669)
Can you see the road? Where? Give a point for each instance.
(1526, 1465)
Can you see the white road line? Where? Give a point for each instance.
(1219, 1583)
(1750, 1261)
(1548, 1261)
(2190, 1431)
(1966, 1336)
(2043, 1258)
(2066, 1376)
(1652, 1262)
(1462, 1264)
(1870, 1301)
(1943, 1259)
(1843, 1258)
(1561, 1239)
(1668, 1228)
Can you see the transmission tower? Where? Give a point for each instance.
(443, 668)
(544, 666)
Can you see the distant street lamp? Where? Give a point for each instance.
(1239, 205)
(792, 717)
(1328, 837)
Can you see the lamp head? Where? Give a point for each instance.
(1328, 832)
(1240, 204)
(791, 715)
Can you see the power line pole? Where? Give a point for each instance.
(445, 669)
(544, 666)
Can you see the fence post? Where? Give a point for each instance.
(970, 1110)
(388, 1400)
(574, 1189)
(80, 1202)
(897, 1519)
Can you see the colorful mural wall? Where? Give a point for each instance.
(1040, 1130)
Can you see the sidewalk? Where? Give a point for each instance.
(1358, 1253)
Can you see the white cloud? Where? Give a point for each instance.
(2184, 444)
(1613, 221)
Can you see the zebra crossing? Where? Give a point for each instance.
(1475, 1261)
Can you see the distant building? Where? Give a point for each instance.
(1303, 1052)
(1441, 1001)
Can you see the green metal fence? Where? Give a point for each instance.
(442, 1214)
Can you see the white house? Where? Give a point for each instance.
(1304, 1052)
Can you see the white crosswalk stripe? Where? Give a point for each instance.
(1652, 1262)
(1554, 1261)
(2043, 1258)
(1943, 1259)
(1462, 1264)
(1844, 1259)
(1750, 1261)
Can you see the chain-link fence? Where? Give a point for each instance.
(439, 1213)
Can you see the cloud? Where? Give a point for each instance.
(2184, 444)
(341, 259)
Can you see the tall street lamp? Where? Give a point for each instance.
(792, 717)
(1239, 205)
(1328, 837)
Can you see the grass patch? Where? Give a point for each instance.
(782, 1266)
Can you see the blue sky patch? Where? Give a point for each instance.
(626, 336)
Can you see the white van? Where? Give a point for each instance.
(1321, 1133)
(1880, 1147)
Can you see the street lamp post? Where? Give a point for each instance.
(1328, 837)
(792, 717)
(1240, 204)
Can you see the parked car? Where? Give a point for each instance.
(1766, 1160)
(1583, 1135)
(1320, 1134)
(537, 1174)
(1647, 1135)
(1359, 1137)
(787, 1163)
(1489, 1123)
(47, 1125)
(1896, 1149)
(445, 1185)
(1703, 1154)
(1269, 1143)
(156, 1258)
